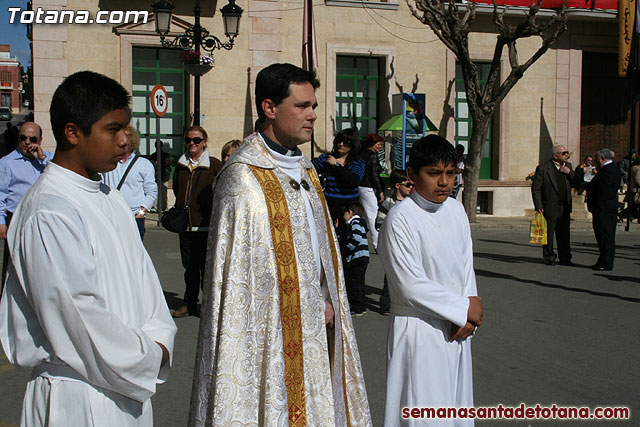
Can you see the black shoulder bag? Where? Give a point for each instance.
(126, 172)
(177, 220)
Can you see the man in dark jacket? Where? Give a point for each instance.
(602, 202)
(551, 191)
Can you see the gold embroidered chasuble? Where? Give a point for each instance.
(263, 357)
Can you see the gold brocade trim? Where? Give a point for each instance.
(289, 292)
(336, 267)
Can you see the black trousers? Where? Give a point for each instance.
(193, 251)
(558, 226)
(354, 278)
(604, 227)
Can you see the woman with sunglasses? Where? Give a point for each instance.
(342, 170)
(192, 181)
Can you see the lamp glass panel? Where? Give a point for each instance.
(163, 21)
(231, 24)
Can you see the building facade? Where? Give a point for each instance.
(367, 52)
(10, 80)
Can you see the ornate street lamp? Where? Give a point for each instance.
(231, 14)
(197, 37)
(163, 9)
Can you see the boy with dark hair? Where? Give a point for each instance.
(83, 304)
(402, 188)
(355, 255)
(425, 247)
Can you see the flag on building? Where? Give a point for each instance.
(627, 11)
(309, 49)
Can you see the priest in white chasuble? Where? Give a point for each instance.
(276, 346)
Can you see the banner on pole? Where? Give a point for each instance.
(626, 28)
(309, 49)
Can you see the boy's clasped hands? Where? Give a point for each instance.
(474, 320)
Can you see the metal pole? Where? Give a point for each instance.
(310, 63)
(197, 39)
(632, 140)
(159, 202)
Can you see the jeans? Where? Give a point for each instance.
(141, 228)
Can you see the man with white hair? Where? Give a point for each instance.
(551, 191)
(602, 202)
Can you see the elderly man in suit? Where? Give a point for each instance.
(551, 191)
(602, 202)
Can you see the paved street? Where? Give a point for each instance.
(562, 335)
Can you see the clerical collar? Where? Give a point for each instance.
(280, 148)
(423, 203)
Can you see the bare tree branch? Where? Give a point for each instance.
(452, 26)
(513, 55)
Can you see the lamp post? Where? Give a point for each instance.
(197, 37)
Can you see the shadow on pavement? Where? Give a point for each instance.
(506, 242)
(173, 301)
(495, 275)
(620, 278)
(508, 258)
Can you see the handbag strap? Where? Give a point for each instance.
(133, 162)
(195, 184)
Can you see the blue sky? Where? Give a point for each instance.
(15, 34)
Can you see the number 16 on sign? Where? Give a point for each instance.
(159, 101)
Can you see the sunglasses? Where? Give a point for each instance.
(33, 139)
(565, 153)
(345, 142)
(407, 184)
(197, 140)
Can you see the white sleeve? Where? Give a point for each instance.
(470, 288)
(60, 285)
(400, 254)
(159, 325)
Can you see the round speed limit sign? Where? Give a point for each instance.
(159, 100)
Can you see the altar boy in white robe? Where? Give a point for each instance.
(425, 247)
(83, 305)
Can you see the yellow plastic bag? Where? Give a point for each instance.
(538, 230)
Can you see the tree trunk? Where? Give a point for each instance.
(472, 163)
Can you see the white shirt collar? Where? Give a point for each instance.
(423, 203)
